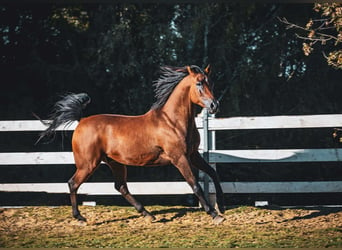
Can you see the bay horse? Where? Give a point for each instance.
(166, 134)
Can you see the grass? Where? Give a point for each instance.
(120, 227)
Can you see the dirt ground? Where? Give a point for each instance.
(176, 226)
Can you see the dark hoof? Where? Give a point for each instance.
(218, 219)
(222, 209)
(79, 217)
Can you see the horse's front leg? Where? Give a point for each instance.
(198, 162)
(183, 166)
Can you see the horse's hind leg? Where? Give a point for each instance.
(74, 183)
(80, 176)
(120, 179)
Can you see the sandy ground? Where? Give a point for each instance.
(38, 223)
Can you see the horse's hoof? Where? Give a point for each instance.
(150, 218)
(218, 219)
(80, 218)
(222, 209)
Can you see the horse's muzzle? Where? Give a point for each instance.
(214, 107)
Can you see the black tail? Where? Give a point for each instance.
(65, 111)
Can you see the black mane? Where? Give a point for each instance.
(168, 80)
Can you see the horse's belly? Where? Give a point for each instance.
(140, 158)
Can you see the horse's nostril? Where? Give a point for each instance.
(214, 106)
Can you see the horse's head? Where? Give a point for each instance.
(200, 90)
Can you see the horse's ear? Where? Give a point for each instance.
(190, 71)
(207, 70)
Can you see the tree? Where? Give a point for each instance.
(326, 29)
(113, 52)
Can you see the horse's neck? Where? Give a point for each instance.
(179, 109)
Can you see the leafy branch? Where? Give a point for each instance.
(323, 30)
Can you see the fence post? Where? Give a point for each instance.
(209, 143)
(206, 151)
(212, 146)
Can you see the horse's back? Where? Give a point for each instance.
(101, 121)
(99, 127)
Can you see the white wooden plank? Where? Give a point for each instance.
(102, 188)
(273, 122)
(276, 155)
(30, 125)
(280, 187)
(256, 122)
(139, 188)
(215, 156)
(167, 188)
(36, 158)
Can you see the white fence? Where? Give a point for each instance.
(215, 156)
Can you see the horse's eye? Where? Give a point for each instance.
(199, 84)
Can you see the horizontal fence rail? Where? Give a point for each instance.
(215, 156)
(273, 122)
(178, 187)
(232, 123)
(103, 188)
(30, 125)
